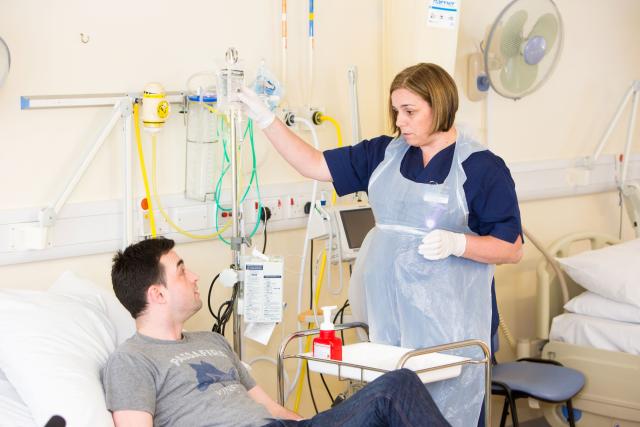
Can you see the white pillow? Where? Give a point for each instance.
(52, 348)
(590, 304)
(613, 272)
(70, 284)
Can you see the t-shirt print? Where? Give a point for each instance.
(207, 374)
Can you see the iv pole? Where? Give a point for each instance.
(629, 191)
(237, 240)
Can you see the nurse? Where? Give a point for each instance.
(446, 212)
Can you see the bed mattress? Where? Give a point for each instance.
(596, 332)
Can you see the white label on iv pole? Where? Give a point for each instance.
(263, 291)
(443, 13)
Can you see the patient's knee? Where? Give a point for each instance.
(403, 377)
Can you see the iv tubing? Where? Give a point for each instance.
(143, 169)
(254, 175)
(305, 248)
(154, 182)
(284, 43)
(330, 242)
(307, 344)
(214, 111)
(335, 123)
(338, 290)
(311, 45)
(353, 96)
(333, 232)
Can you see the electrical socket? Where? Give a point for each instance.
(250, 210)
(295, 206)
(191, 217)
(277, 208)
(223, 215)
(144, 224)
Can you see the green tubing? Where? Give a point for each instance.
(226, 163)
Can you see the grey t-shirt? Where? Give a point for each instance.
(197, 381)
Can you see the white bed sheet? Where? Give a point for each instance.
(596, 332)
(14, 412)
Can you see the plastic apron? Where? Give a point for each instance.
(412, 302)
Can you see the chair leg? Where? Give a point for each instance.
(505, 411)
(572, 421)
(514, 412)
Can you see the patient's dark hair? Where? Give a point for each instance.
(137, 268)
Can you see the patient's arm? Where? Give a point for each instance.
(132, 419)
(278, 411)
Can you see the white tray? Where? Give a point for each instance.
(386, 357)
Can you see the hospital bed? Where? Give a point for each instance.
(53, 345)
(606, 351)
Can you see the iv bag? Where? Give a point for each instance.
(267, 87)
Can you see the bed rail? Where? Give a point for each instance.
(549, 295)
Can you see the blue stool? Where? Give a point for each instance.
(542, 379)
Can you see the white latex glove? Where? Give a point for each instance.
(439, 244)
(256, 108)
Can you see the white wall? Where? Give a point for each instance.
(564, 119)
(132, 43)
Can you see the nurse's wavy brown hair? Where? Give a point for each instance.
(433, 84)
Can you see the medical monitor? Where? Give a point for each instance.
(354, 223)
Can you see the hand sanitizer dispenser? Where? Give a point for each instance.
(327, 345)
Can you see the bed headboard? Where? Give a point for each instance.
(549, 294)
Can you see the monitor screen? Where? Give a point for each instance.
(357, 223)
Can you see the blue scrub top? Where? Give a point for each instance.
(489, 188)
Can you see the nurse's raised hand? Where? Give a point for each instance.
(256, 108)
(439, 244)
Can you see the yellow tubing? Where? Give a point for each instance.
(143, 169)
(214, 111)
(307, 344)
(154, 182)
(335, 123)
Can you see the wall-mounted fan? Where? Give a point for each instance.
(520, 51)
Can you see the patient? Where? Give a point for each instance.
(163, 376)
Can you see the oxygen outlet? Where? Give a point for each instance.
(289, 118)
(316, 117)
